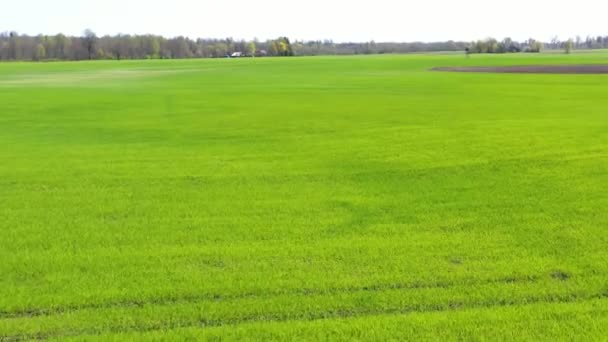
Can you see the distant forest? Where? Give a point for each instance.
(14, 46)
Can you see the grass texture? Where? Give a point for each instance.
(325, 198)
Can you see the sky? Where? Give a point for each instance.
(339, 20)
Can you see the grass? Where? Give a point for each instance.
(308, 198)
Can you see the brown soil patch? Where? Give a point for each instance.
(533, 69)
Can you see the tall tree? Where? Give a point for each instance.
(154, 47)
(40, 52)
(63, 45)
(14, 46)
(568, 46)
(251, 49)
(90, 41)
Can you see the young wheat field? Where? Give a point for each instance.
(313, 198)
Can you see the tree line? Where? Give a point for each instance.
(507, 45)
(14, 46)
(89, 46)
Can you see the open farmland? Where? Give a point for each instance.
(305, 198)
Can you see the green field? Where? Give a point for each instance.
(340, 198)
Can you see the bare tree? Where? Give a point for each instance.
(90, 40)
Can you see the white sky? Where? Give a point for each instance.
(340, 20)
